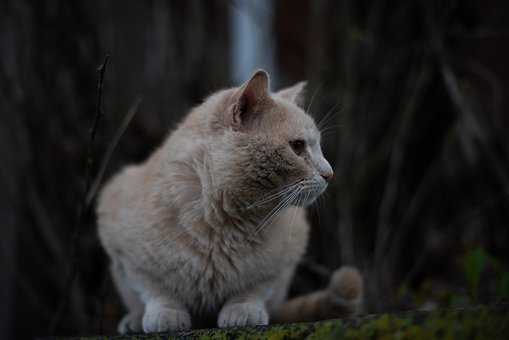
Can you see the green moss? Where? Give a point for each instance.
(472, 323)
(452, 324)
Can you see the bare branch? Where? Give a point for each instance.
(82, 209)
(111, 147)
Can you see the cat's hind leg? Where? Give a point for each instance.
(342, 298)
(150, 307)
(132, 321)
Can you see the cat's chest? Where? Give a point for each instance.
(223, 267)
(227, 270)
(236, 265)
(241, 258)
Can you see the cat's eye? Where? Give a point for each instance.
(298, 146)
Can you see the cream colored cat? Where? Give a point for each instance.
(209, 230)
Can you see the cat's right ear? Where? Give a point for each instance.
(295, 93)
(246, 107)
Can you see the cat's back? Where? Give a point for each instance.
(119, 190)
(125, 199)
(117, 202)
(124, 189)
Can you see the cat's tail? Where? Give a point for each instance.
(342, 298)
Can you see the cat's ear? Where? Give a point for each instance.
(247, 100)
(295, 93)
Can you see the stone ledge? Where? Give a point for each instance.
(481, 322)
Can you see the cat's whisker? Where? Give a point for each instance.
(307, 196)
(308, 193)
(264, 221)
(333, 128)
(295, 183)
(285, 203)
(312, 99)
(297, 203)
(330, 113)
(292, 220)
(269, 198)
(330, 127)
(282, 205)
(274, 195)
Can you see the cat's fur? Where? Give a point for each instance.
(209, 230)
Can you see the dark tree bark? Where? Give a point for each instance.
(171, 54)
(416, 91)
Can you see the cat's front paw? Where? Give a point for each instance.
(161, 318)
(130, 323)
(243, 314)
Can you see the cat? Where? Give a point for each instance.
(209, 230)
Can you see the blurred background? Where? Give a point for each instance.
(413, 96)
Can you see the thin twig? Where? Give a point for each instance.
(82, 208)
(98, 114)
(111, 147)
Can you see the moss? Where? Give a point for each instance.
(472, 323)
(451, 324)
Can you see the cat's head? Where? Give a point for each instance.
(274, 145)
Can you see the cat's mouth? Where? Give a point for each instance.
(309, 192)
(301, 193)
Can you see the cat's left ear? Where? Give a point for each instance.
(248, 99)
(295, 93)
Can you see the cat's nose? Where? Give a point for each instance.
(327, 175)
(324, 169)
